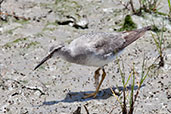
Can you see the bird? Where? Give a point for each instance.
(95, 49)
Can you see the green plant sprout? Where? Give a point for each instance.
(159, 42)
(132, 97)
(128, 24)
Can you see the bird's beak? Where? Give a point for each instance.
(44, 60)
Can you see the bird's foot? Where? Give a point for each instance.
(88, 95)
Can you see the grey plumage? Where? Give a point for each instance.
(97, 49)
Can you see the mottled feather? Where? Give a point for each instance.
(97, 43)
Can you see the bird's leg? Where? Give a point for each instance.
(97, 89)
(96, 77)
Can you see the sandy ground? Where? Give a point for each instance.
(58, 86)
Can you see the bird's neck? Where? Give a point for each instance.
(64, 53)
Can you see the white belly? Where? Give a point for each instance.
(97, 62)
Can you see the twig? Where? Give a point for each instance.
(124, 102)
(132, 6)
(132, 93)
(124, 4)
(25, 87)
(112, 109)
(86, 109)
(1, 3)
(15, 16)
(77, 111)
(34, 89)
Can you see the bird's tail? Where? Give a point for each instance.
(133, 35)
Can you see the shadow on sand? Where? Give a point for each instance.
(78, 96)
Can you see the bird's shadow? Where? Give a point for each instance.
(78, 96)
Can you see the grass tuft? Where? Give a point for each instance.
(128, 24)
(159, 42)
(132, 97)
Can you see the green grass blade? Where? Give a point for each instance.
(132, 89)
(169, 5)
(128, 79)
(116, 97)
(144, 78)
(156, 42)
(142, 69)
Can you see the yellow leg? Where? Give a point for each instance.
(97, 89)
(96, 77)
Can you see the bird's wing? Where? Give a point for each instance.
(97, 43)
(109, 43)
(104, 44)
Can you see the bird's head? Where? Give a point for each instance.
(52, 53)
